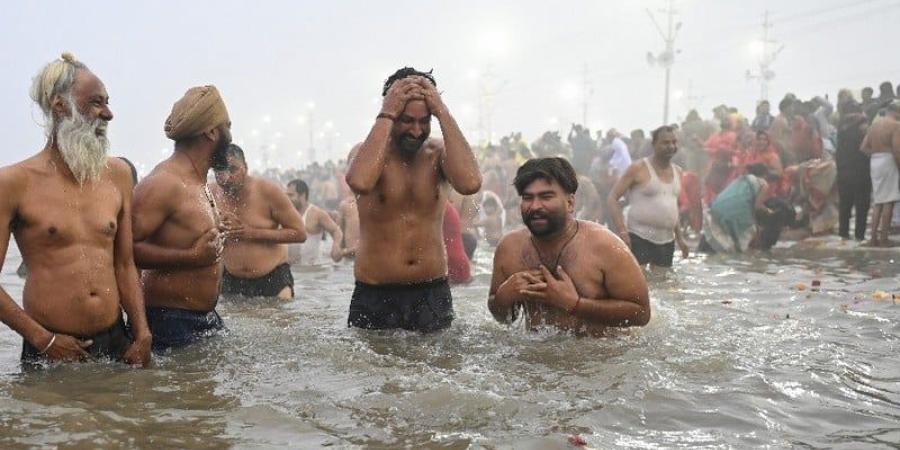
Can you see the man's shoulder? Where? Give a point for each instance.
(513, 239)
(600, 238)
(160, 182)
(266, 187)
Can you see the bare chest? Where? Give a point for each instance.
(577, 262)
(406, 187)
(59, 214)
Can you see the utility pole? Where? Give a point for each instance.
(667, 58)
(587, 91)
(488, 88)
(767, 57)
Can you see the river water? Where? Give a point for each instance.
(734, 357)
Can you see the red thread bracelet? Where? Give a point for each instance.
(572, 309)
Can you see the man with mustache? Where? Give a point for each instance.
(652, 185)
(563, 272)
(401, 178)
(69, 207)
(176, 223)
(259, 220)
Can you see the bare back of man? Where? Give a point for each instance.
(882, 143)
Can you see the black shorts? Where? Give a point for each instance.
(647, 252)
(268, 285)
(112, 344)
(173, 327)
(425, 307)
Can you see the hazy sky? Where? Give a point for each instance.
(272, 59)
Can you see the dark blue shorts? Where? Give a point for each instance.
(173, 327)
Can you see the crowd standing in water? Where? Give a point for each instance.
(410, 210)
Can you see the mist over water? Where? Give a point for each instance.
(734, 356)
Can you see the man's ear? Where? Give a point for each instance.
(212, 134)
(58, 106)
(570, 201)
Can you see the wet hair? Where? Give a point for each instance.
(237, 152)
(405, 73)
(300, 187)
(758, 169)
(550, 169)
(663, 129)
(134, 174)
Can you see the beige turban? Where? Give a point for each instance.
(201, 109)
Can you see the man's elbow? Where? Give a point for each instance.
(643, 317)
(469, 186)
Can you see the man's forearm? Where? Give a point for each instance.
(152, 256)
(502, 307)
(132, 299)
(612, 312)
(460, 166)
(615, 211)
(275, 236)
(19, 321)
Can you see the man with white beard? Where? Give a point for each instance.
(69, 207)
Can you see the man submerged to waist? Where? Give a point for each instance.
(259, 220)
(401, 178)
(176, 223)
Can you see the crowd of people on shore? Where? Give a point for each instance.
(569, 223)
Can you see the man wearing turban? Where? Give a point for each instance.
(176, 223)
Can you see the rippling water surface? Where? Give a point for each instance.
(735, 356)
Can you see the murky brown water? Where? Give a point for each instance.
(732, 358)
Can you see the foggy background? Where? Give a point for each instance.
(290, 70)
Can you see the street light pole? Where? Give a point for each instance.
(667, 57)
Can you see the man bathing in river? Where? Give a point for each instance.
(260, 221)
(882, 144)
(572, 274)
(69, 207)
(401, 178)
(176, 223)
(317, 221)
(652, 185)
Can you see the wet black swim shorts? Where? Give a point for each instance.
(425, 307)
(268, 285)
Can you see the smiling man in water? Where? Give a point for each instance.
(69, 207)
(572, 274)
(401, 178)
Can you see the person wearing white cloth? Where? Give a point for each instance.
(317, 222)
(652, 185)
(882, 143)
